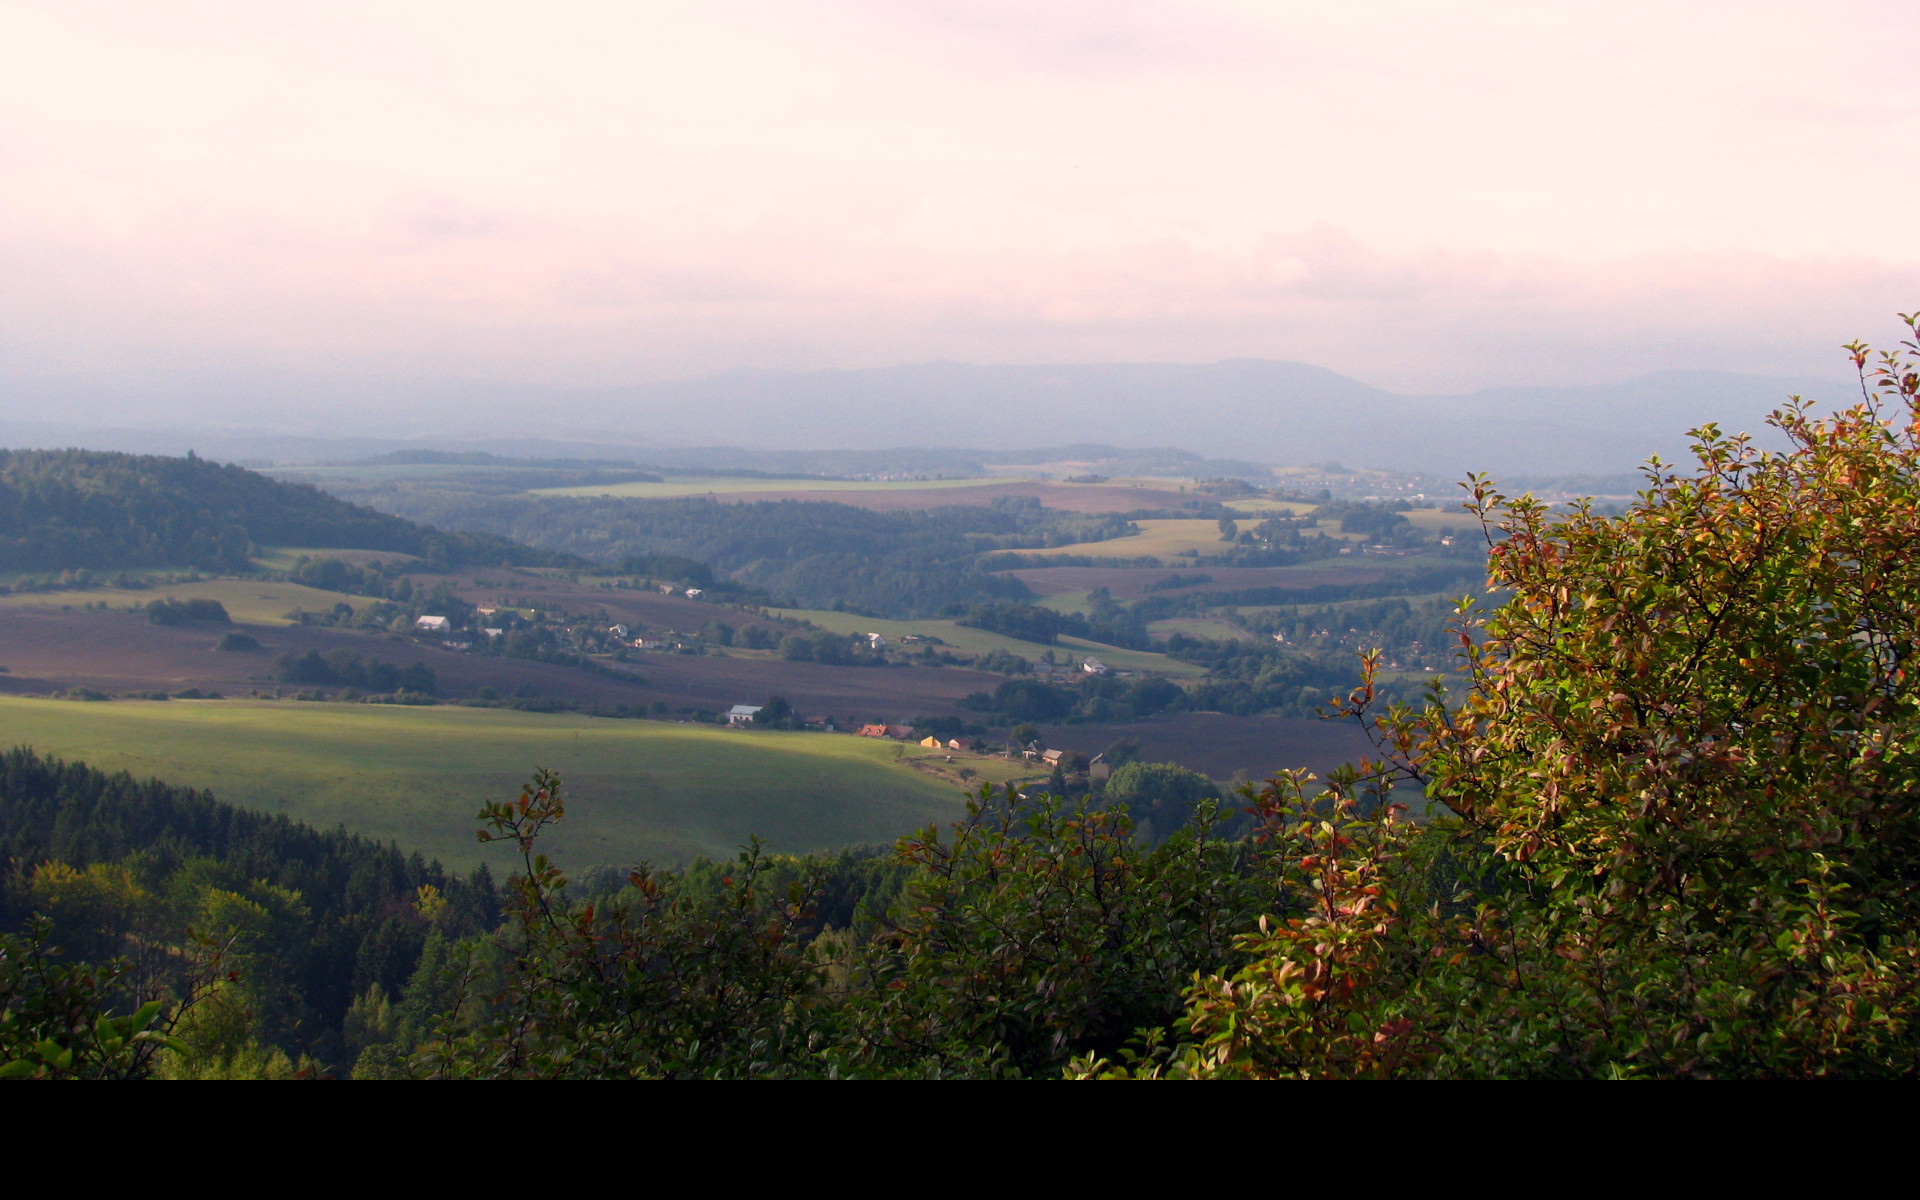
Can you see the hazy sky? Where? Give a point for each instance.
(1425, 195)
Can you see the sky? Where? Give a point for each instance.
(1428, 197)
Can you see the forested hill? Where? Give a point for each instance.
(63, 509)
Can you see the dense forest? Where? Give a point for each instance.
(70, 509)
(165, 876)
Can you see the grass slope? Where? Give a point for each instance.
(640, 789)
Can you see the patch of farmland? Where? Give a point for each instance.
(1443, 520)
(640, 790)
(1224, 746)
(1163, 539)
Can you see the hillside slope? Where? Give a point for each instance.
(66, 509)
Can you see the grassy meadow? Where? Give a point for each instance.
(247, 601)
(641, 789)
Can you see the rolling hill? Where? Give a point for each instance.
(69, 509)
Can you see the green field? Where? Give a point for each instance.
(247, 601)
(641, 789)
(726, 485)
(968, 640)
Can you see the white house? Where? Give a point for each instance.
(875, 641)
(692, 592)
(1094, 666)
(741, 714)
(619, 631)
(492, 633)
(433, 625)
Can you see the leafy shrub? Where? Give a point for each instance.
(237, 642)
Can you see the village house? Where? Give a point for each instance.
(1094, 666)
(691, 592)
(619, 631)
(433, 625)
(491, 632)
(931, 743)
(877, 731)
(876, 642)
(1053, 758)
(742, 714)
(956, 744)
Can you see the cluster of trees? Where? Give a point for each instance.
(1106, 621)
(343, 668)
(65, 509)
(836, 649)
(1092, 698)
(187, 612)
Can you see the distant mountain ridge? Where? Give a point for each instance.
(1239, 410)
(1273, 412)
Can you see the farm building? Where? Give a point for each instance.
(1054, 758)
(931, 743)
(433, 625)
(619, 631)
(1094, 666)
(956, 744)
(741, 714)
(878, 731)
(876, 642)
(693, 591)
